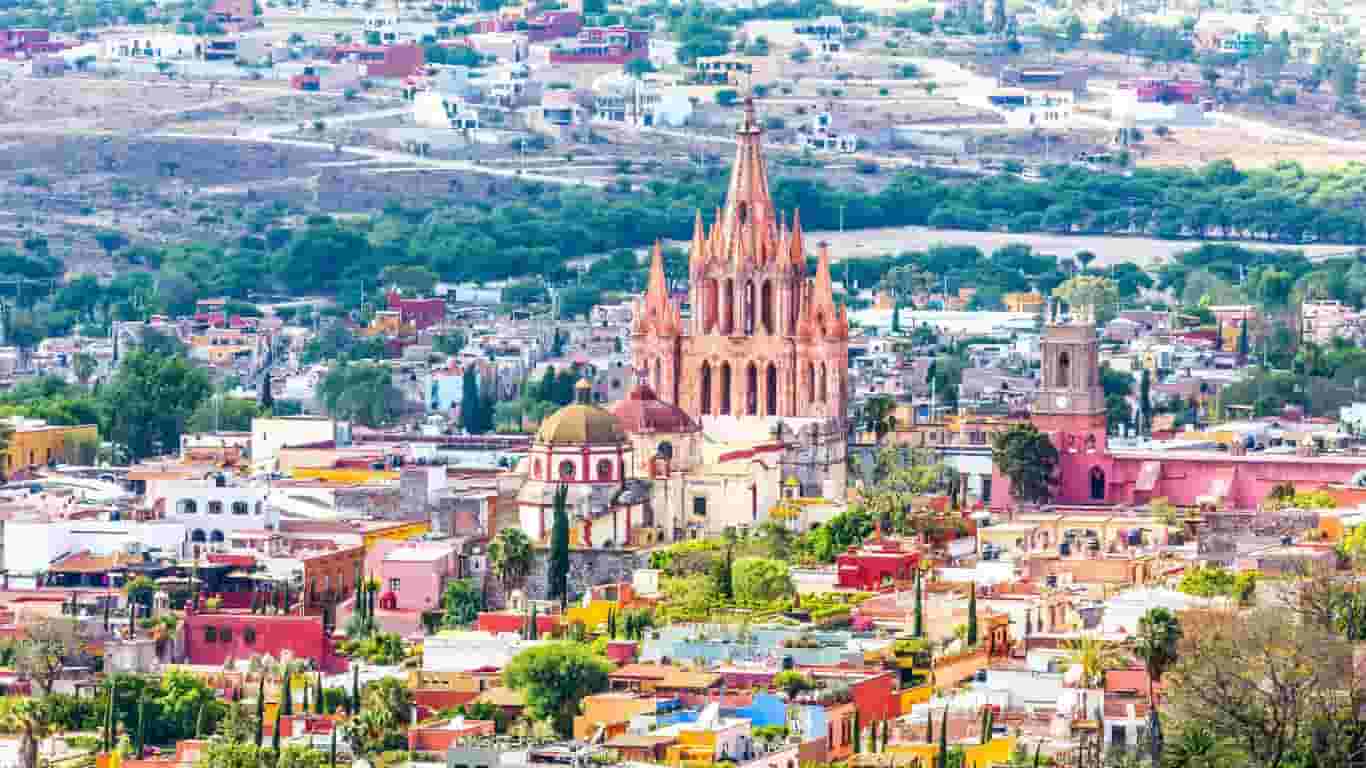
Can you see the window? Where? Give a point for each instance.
(249, 636)
(567, 470)
(215, 507)
(536, 469)
(699, 506)
(210, 634)
(393, 585)
(604, 469)
(240, 508)
(187, 507)
(225, 635)
(260, 508)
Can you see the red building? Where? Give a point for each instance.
(213, 638)
(437, 738)
(550, 25)
(876, 563)
(388, 61)
(422, 313)
(1166, 91)
(23, 43)
(604, 45)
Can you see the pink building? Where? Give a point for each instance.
(413, 576)
(1070, 408)
(212, 638)
(388, 61)
(604, 45)
(422, 313)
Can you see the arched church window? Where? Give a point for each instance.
(766, 306)
(751, 390)
(771, 390)
(725, 389)
(705, 379)
(825, 387)
(1064, 371)
(1097, 484)
(811, 382)
(749, 308)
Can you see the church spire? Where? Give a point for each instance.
(747, 201)
(657, 312)
(697, 254)
(797, 251)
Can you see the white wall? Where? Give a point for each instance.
(32, 546)
(203, 493)
(268, 436)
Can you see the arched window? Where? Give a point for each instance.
(1064, 371)
(215, 507)
(749, 308)
(566, 470)
(794, 310)
(728, 308)
(604, 470)
(711, 312)
(751, 390)
(186, 507)
(260, 508)
(210, 634)
(811, 382)
(825, 387)
(766, 306)
(216, 537)
(725, 389)
(241, 508)
(197, 536)
(1090, 443)
(249, 636)
(536, 469)
(706, 389)
(771, 390)
(1097, 484)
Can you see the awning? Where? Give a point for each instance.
(1223, 483)
(1148, 475)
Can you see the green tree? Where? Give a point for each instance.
(918, 628)
(1027, 458)
(1159, 634)
(462, 600)
(878, 415)
(471, 404)
(1098, 296)
(361, 392)
(150, 400)
(555, 677)
(792, 682)
(510, 557)
(559, 546)
(972, 616)
(227, 414)
(759, 580)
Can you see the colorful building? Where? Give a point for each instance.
(876, 564)
(213, 638)
(36, 443)
(604, 45)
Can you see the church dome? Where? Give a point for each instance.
(642, 412)
(580, 423)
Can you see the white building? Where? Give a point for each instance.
(640, 103)
(211, 512)
(158, 46)
(32, 546)
(453, 651)
(268, 436)
(1023, 108)
(439, 109)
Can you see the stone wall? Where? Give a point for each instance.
(587, 568)
(383, 503)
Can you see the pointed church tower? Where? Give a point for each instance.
(763, 340)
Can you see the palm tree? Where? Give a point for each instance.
(1094, 656)
(1159, 633)
(510, 557)
(1197, 747)
(29, 718)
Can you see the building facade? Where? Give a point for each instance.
(763, 339)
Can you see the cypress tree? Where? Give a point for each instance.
(944, 740)
(532, 629)
(332, 749)
(106, 614)
(929, 728)
(470, 405)
(858, 733)
(972, 616)
(886, 734)
(318, 696)
(287, 695)
(308, 703)
(109, 715)
(139, 741)
(611, 625)
(559, 547)
(275, 737)
(355, 690)
(260, 711)
(1145, 401)
(918, 629)
(199, 722)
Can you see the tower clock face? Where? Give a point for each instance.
(1062, 401)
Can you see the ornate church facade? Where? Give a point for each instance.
(764, 339)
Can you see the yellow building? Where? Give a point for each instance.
(1024, 302)
(36, 443)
